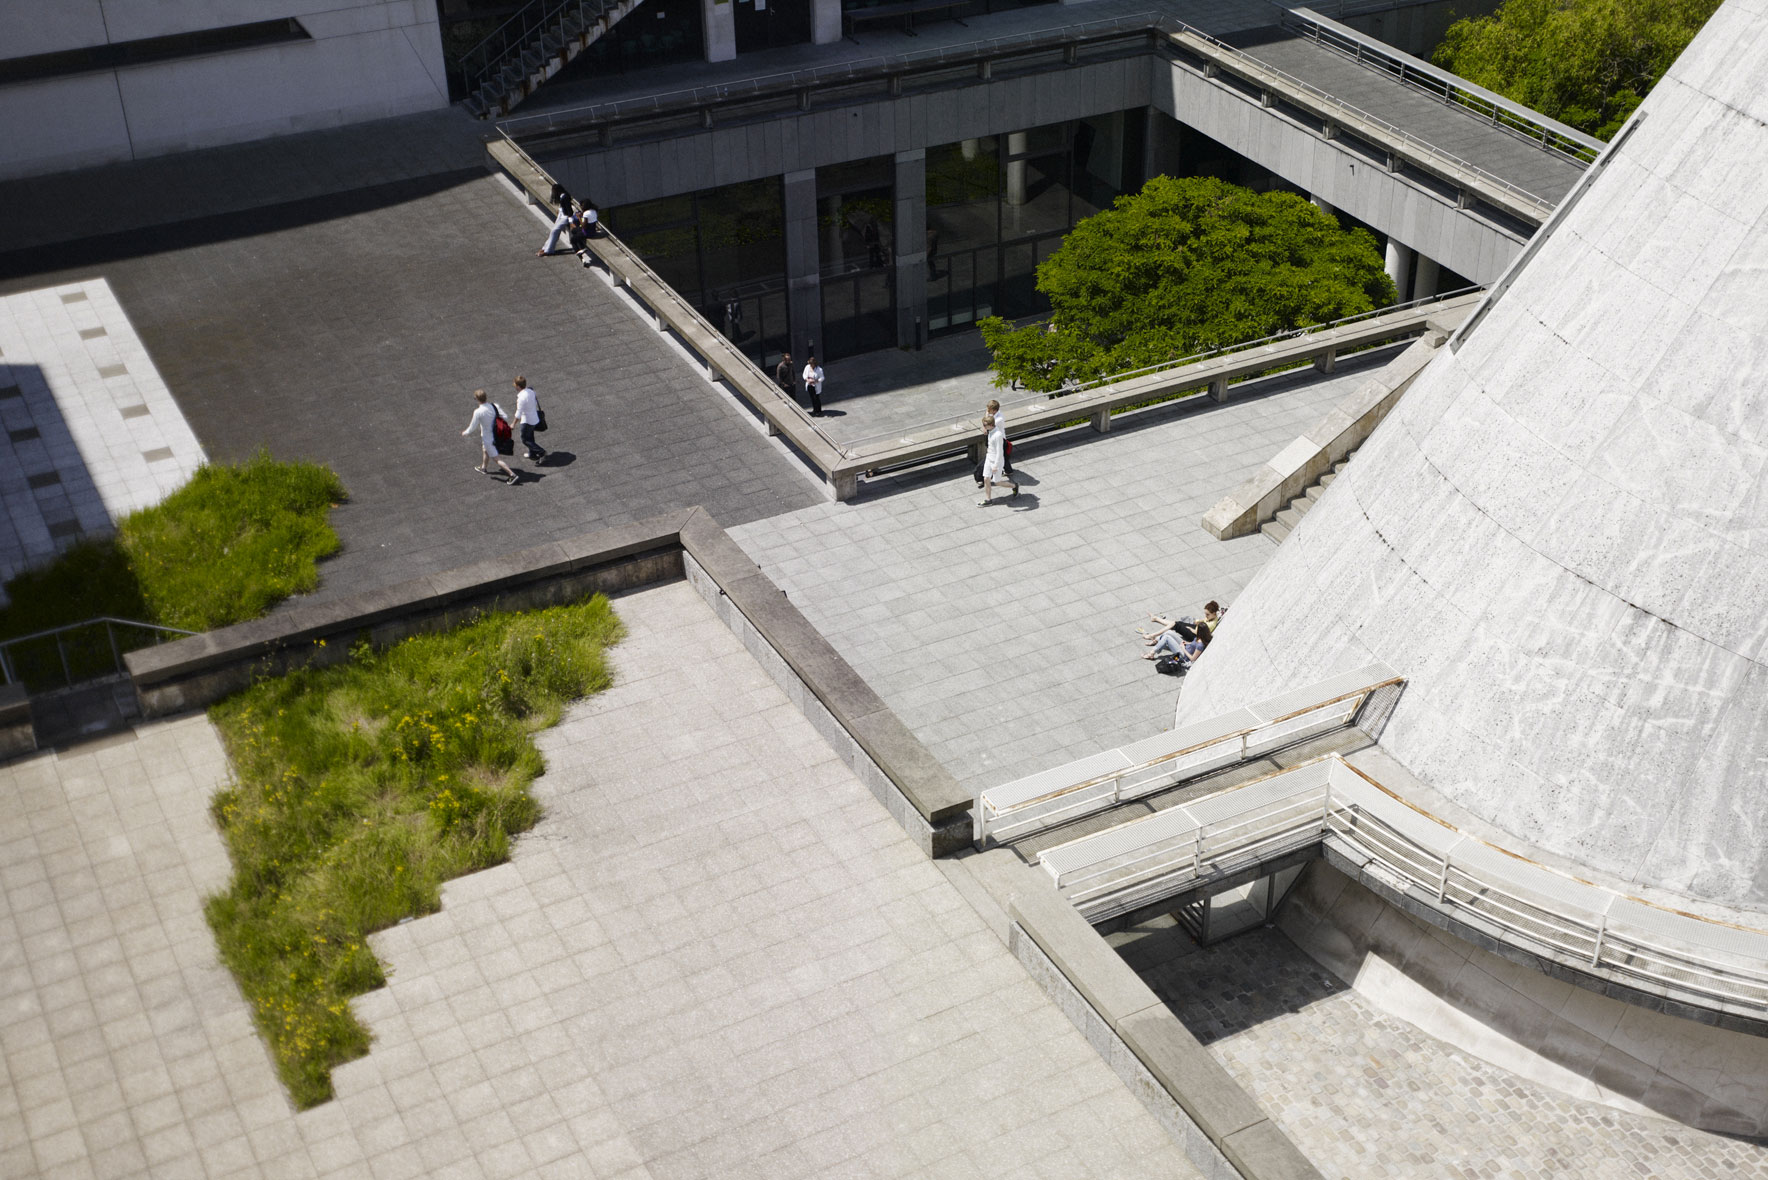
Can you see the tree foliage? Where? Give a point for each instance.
(1185, 266)
(1587, 63)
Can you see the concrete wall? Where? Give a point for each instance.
(1560, 535)
(1549, 1031)
(1422, 220)
(368, 59)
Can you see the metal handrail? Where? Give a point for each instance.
(1499, 111)
(518, 31)
(1339, 814)
(109, 622)
(934, 426)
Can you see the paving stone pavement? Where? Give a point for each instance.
(716, 956)
(1368, 1096)
(92, 432)
(352, 329)
(1002, 636)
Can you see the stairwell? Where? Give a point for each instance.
(1288, 517)
(531, 47)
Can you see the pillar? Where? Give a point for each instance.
(1425, 282)
(1399, 267)
(909, 246)
(719, 18)
(825, 23)
(1164, 136)
(804, 292)
(968, 147)
(1017, 142)
(1322, 205)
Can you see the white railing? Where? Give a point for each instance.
(1712, 964)
(1100, 781)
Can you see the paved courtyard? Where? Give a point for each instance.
(717, 956)
(1369, 1097)
(1003, 636)
(352, 329)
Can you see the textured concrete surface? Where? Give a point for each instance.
(1366, 1094)
(1560, 537)
(716, 956)
(92, 432)
(353, 329)
(1003, 636)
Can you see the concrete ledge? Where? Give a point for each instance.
(16, 733)
(1345, 427)
(1222, 1128)
(920, 793)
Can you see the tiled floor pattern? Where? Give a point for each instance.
(1002, 636)
(1368, 1096)
(92, 433)
(716, 956)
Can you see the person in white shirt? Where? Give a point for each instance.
(484, 420)
(994, 407)
(561, 222)
(528, 417)
(813, 384)
(992, 465)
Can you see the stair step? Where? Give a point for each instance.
(1275, 529)
(1289, 516)
(1316, 491)
(1301, 505)
(476, 106)
(1326, 480)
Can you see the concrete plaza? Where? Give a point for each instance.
(717, 956)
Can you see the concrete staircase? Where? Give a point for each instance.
(531, 47)
(1287, 518)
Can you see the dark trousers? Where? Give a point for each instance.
(534, 449)
(816, 398)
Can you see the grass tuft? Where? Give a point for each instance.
(358, 789)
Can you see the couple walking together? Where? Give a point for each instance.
(488, 417)
(995, 463)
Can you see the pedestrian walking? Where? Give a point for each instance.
(813, 384)
(995, 461)
(528, 418)
(994, 408)
(786, 376)
(484, 420)
(561, 221)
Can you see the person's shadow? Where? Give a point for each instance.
(556, 459)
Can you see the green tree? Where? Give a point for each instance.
(1182, 267)
(1587, 63)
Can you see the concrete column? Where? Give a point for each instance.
(804, 292)
(968, 148)
(720, 20)
(909, 246)
(1164, 157)
(1429, 276)
(1322, 205)
(1399, 267)
(825, 21)
(1016, 143)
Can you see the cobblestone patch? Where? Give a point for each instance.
(1367, 1095)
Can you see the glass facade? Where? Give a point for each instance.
(856, 232)
(724, 251)
(661, 32)
(770, 24)
(1000, 205)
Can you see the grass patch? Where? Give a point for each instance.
(358, 789)
(226, 547)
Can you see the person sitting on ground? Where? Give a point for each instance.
(1185, 651)
(1212, 614)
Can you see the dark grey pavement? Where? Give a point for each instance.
(352, 330)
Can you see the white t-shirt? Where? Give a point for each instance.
(813, 374)
(1000, 418)
(484, 418)
(527, 407)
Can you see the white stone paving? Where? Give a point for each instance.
(1004, 636)
(92, 432)
(717, 956)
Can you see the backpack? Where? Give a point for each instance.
(501, 436)
(1169, 666)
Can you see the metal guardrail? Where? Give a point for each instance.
(1692, 959)
(1101, 781)
(936, 428)
(1439, 83)
(75, 660)
(514, 35)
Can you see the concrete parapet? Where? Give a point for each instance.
(16, 734)
(1300, 464)
(1222, 1128)
(917, 791)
